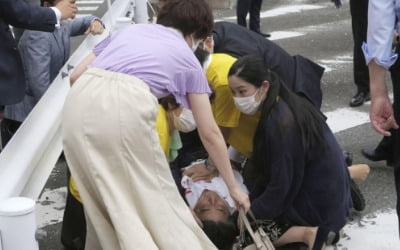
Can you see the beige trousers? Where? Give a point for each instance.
(113, 151)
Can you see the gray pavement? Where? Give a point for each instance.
(319, 31)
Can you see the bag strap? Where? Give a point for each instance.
(266, 242)
(245, 221)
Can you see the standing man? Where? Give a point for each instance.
(383, 19)
(20, 14)
(43, 54)
(359, 23)
(253, 7)
(17, 31)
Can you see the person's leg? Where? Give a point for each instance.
(242, 8)
(357, 172)
(91, 241)
(359, 23)
(298, 234)
(73, 230)
(254, 10)
(8, 129)
(384, 151)
(395, 74)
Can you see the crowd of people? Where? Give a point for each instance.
(199, 119)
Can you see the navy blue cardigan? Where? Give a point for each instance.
(303, 188)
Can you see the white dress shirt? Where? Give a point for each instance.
(381, 25)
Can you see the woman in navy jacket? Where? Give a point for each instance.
(299, 175)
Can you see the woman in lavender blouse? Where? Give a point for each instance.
(109, 136)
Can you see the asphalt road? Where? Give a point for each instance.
(319, 31)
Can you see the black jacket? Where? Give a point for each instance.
(298, 73)
(19, 14)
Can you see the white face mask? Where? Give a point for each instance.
(185, 122)
(247, 105)
(195, 44)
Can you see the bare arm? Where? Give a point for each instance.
(214, 143)
(82, 67)
(381, 111)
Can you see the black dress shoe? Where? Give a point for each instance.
(359, 98)
(262, 34)
(373, 155)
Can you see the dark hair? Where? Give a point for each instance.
(168, 102)
(221, 233)
(51, 2)
(253, 70)
(201, 55)
(188, 16)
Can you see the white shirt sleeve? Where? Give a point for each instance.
(381, 25)
(58, 16)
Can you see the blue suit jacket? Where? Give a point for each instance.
(22, 15)
(43, 55)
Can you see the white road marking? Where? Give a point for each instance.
(345, 118)
(276, 35)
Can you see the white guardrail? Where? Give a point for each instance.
(29, 157)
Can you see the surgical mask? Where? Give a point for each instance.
(195, 44)
(185, 121)
(247, 105)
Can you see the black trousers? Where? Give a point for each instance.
(73, 231)
(395, 74)
(7, 129)
(249, 6)
(359, 25)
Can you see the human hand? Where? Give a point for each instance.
(240, 197)
(381, 115)
(67, 8)
(200, 172)
(95, 28)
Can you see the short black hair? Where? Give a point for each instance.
(221, 233)
(201, 55)
(51, 2)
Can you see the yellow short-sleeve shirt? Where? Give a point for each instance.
(225, 112)
(163, 130)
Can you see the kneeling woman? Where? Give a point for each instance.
(299, 176)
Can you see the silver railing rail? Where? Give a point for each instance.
(29, 157)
